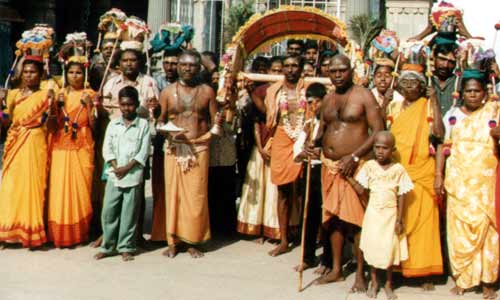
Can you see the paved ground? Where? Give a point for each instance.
(231, 269)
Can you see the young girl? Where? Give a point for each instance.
(381, 240)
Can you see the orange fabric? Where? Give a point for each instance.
(186, 197)
(421, 213)
(284, 169)
(271, 101)
(413, 67)
(339, 197)
(158, 230)
(72, 167)
(24, 172)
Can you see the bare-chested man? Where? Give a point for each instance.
(348, 116)
(284, 107)
(192, 107)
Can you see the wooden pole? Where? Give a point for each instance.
(304, 221)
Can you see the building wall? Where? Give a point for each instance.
(407, 17)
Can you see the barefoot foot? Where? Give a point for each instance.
(489, 292)
(428, 286)
(100, 255)
(282, 248)
(171, 251)
(373, 290)
(195, 253)
(359, 285)
(259, 241)
(322, 270)
(457, 291)
(126, 256)
(389, 292)
(300, 268)
(333, 276)
(97, 243)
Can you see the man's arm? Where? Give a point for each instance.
(374, 120)
(163, 107)
(107, 146)
(212, 103)
(259, 102)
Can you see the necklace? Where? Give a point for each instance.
(74, 123)
(293, 133)
(187, 100)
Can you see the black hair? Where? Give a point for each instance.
(260, 60)
(276, 58)
(296, 42)
(140, 57)
(311, 44)
(37, 64)
(380, 66)
(445, 48)
(482, 81)
(316, 90)
(212, 56)
(129, 92)
(69, 65)
(300, 59)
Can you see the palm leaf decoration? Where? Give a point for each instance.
(238, 15)
(364, 29)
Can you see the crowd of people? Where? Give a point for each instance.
(405, 172)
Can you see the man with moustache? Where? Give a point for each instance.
(131, 60)
(350, 118)
(192, 107)
(284, 107)
(158, 227)
(169, 64)
(443, 79)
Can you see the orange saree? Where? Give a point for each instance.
(24, 171)
(421, 214)
(72, 166)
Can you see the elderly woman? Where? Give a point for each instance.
(415, 122)
(470, 186)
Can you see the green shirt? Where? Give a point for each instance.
(124, 144)
(445, 94)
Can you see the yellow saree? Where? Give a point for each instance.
(470, 184)
(24, 171)
(72, 166)
(421, 213)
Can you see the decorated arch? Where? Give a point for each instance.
(287, 22)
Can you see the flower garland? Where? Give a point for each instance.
(293, 133)
(66, 119)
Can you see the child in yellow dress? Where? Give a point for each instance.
(387, 183)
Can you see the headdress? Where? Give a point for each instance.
(75, 49)
(443, 17)
(171, 37)
(381, 48)
(109, 25)
(473, 59)
(34, 45)
(133, 34)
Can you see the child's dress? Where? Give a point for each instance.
(381, 246)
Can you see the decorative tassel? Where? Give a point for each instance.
(98, 46)
(74, 128)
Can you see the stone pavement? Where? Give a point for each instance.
(231, 269)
